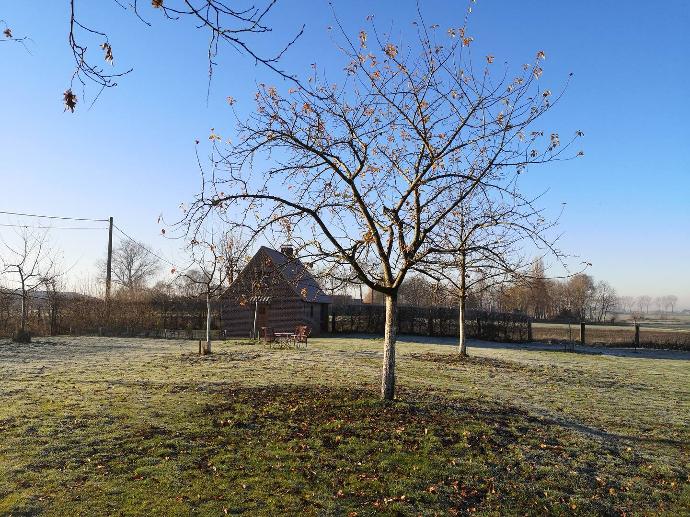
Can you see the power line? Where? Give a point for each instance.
(54, 227)
(64, 218)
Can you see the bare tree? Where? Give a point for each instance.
(29, 264)
(643, 303)
(421, 291)
(56, 299)
(636, 316)
(580, 294)
(481, 243)
(190, 284)
(217, 261)
(672, 300)
(666, 303)
(133, 265)
(225, 22)
(6, 300)
(605, 299)
(626, 303)
(8, 35)
(233, 256)
(372, 168)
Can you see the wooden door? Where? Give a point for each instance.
(262, 316)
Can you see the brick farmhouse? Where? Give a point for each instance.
(277, 291)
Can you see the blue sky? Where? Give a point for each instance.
(132, 155)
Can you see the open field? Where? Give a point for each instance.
(96, 426)
(678, 320)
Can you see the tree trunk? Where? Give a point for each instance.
(53, 321)
(255, 331)
(207, 350)
(25, 311)
(462, 344)
(389, 338)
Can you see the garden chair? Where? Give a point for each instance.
(267, 336)
(301, 335)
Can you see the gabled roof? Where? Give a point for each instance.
(298, 276)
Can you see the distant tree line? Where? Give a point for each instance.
(191, 299)
(646, 304)
(579, 297)
(35, 300)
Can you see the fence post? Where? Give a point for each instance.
(637, 335)
(529, 331)
(582, 333)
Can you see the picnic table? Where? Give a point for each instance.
(286, 339)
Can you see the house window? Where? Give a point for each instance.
(312, 310)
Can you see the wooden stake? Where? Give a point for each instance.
(582, 333)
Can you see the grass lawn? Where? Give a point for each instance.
(105, 426)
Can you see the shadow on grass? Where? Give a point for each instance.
(494, 363)
(292, 449)
(467, 455)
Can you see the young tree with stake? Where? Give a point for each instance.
(482, 245)
(216, 262)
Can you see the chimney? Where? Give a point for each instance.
(288, 251)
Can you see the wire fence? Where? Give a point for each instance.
(431, 321)
(624, 336)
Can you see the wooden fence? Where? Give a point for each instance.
(194, 334)
(431, 321)
(625, 336)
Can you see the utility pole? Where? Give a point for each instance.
(109, 266)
